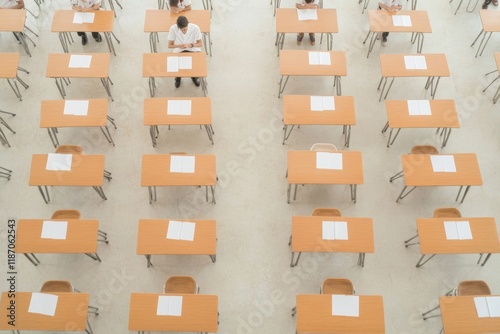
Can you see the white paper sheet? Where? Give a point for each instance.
(187, 232)
(397, 21)
(449, 163)
(450, 228)
(56, 161)
(169, 305)
(316, 103)
(80, 18)
(174, 230)
(328, 230)
(188, 162)
(493, 306)
(324, 58)
(307, 14)
(481, 307)
(176, 164)
(76, 107)
(409, 63)
(341, 231)
(327, 160)
(344, 305)
(419, 107)
(80, 61)
(313, 58)
(43, 303)
(173, 64)
(464, 232)
(185, 63)
(328, 103)
(415, 63)
(179, 107)
(54, 229)
(182, 164)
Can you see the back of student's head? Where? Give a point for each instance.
(173, 3)
(309, 1)
(182, 22)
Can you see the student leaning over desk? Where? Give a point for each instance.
(177, 6)
(84, 6)
(306, 4)
(390, 6)
(11, 4)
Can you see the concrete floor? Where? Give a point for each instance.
(253, 218)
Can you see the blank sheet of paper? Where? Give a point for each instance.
(307, 14)
(43, 303)
(76, 107)
(341, 231)
(169, 305)
(481, 307)
(187, 231)
(415, 63)
(327, 160)
(173, 64)
(185, 63)
(345, 305)
(182, 163)
(56, 161)
(493, 306)
(328, 230)
(174, 230)
(179, 107)
(80, 61)
(54, 229)
(419, 107)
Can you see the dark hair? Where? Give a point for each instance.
(182, 22)
(309, 1)
(173, 3)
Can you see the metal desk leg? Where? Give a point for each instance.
(15, 88)
(45, 194)
(485, 260)
(60, 87)
(446, 136)
(152, 86)
(32, 260)
(22, 39)
(285, 134)
(413, 4)
(150, 191)
(292, 263)
(94, 256)
(105, 82)
(288, 193)
(209, 43)
(204, 86)
(209, 133)
(465, 194)
(154, 132)
(148, 258)
(213, 258)
(107, 134)
(389, 142)
(53, 136)
(373, 40)
(282, 88)
(212, 188)
(419, 264)
(63, 42)
(336, 82)
(347, 135)
(99, 190)
(361, 260)
(109, 42)
(354, 187)
(401, 196)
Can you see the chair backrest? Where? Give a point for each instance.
(180, 284)
(57, 286)
(331, 212)
(471, 288)
(337, 286)
(323, 147)
(70, 149)
(424, 149)
(447, 213)
(66, 214)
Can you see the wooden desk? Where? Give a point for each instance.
(155, 65)
(459, 316)
(199, 314)
(302, 170)
(151, 239)
(52, 117)
(9, 64)
(13, 20)
(156, 173)
(418, 172)
(81, 238)
(71, 313)
(155, 113)
(297, 111)
(497, 94)
(86, 170)
(381, 21)
(161, 21)
(444, 116)
(307, 237)
(314, 316)
(394, 66)
(62, 23)
(432, 236)
(296, 63)
(287, 21)
(490, 21)
(58, 68)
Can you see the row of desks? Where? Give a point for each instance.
(199, 314)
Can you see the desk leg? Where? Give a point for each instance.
(53, 136)
(148, 258)
(60, 86)
(329, 41)
(393, 139)
(209, 133)
(100, 192)
(150, 191)
(485, 260)
(107, 134)
(22, 39)
(285, 134)
(204, 86)
(284, 85)
(109, 42)
(419, 264)
(288, 193)
(336, 82)
(212, 189)
(213, 258)
(413, 4)
(62, 39)
(434, 88)
(45, 194)
(373, 40)
(296, 262)
(484, 45)
(446, 136)
(354, 188)
(152, 42)
(465, 194)
(32, 260)
(15, 88)
(401, 196)
(94, 256)
(152, 86)
(384, 79)
(361, 260)
(154, 132)
(105, 83)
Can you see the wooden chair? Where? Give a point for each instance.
(323, 147)
(181, 284)
(57, 286)
(75, 214)
(331, 212)
(447, 213)
(472, 288)
(337, 286)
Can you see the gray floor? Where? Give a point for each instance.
(253, 218)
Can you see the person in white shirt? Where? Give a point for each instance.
(177, 6)
(390, 6)
(185, 37)
(306, 4)
(84, 6)
(11, 4)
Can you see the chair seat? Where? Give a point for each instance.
(57, 286)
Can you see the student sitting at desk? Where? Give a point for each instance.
(84, 6)
(177, 6)
(306, 4)
(11, 4)
(185, 37)
(391, 6)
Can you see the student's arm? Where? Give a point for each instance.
(384, 6)
(198, 44)
(305, 6)
(186, 9)
(172, 45)
(19, 5)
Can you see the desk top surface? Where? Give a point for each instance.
(160, 20)
(52, 114)
(381, 21)
(8, 65)
(12, 20)
(287, 21)
(444, 115)
(302, 169)
(490, 19)
(155, 65)
(296, 62)
(297, 110)
(199, 314)
(393, 65)
(58, 66)
(433, 240)
(155, 112)
(418, 171)
(63, 21)
(314, 315)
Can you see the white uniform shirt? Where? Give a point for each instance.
(391, 3)
(86, 3)
(8, 3)
(192, 35)
(183, 4)
(302, 2)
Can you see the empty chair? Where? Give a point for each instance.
(75, 214)
(331, 212)
(323, 147)
(181, 284)
(337, 286)
(447, 213)
(419, 149)
(57, 286)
